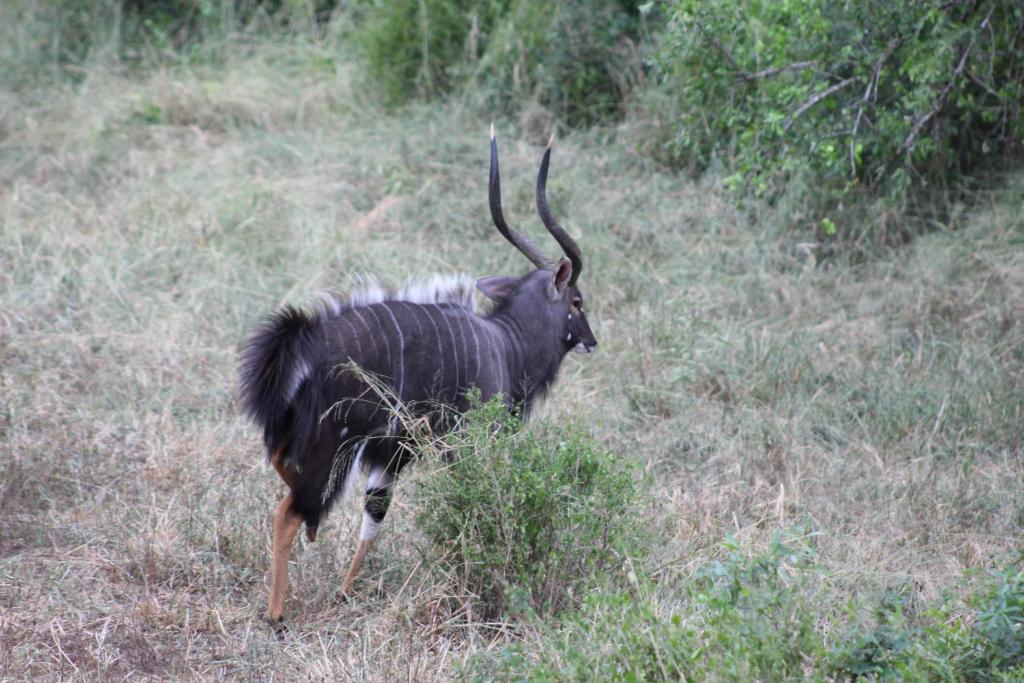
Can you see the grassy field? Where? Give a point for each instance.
(148, 220)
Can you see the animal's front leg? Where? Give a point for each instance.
(378, 499)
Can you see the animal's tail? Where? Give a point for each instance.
(275, 362)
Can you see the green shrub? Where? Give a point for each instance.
(982, 644)
(578, 59)
(755, 620)
(420, 48)
(743, 618)
(531, 520)
(999, 622)
(842, 99)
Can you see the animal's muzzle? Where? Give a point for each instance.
(581, 347)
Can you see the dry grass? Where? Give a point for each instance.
(148, 221)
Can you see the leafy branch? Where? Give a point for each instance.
(865, 86)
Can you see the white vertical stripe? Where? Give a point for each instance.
(419, 332)
(476, 349)
(369, 331)
(454, 352)
(437, 336)
(355, 336)
(401, 351)
(383, 337)
(499, 357)
(465, 345)
(415, 318)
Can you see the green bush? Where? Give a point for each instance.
(983, 644)
(842, 99)
(529, 520)
(578, 59)
(422, 48)
(58, 39)
(743, 618)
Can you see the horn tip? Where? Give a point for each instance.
(551, 141)
(492, 130)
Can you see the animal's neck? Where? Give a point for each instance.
(532, 356)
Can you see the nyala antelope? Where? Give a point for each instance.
(323, 426)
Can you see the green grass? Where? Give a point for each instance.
(149, 218)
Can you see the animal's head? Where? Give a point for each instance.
(547, 296)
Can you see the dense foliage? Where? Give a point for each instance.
(887, 96)
(579, 59)
(938, 643)
(422, 49)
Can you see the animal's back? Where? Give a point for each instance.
(418, 353)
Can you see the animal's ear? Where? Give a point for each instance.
(560, 278)
(497, 287)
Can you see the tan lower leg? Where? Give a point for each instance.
(288, 476)
(357, 563)
(286, 525)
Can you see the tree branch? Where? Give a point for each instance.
(814, 99)
(980, 83)
(765, 73)
(940, 102)
(876, 71)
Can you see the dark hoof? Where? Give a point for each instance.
(311, 533)
(278, 626)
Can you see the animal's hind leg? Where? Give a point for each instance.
(286, 525)
(378, 498)
(277, 460)
(288, 476)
